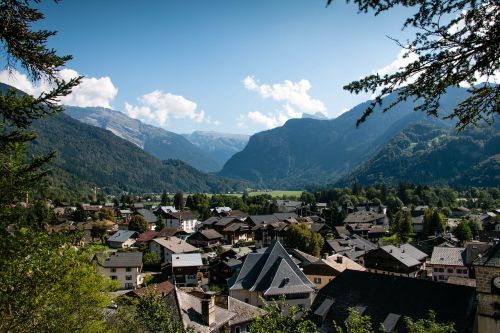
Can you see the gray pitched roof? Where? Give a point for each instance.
(210, 234)
(175, 245)
(271, 272)
(453, 256)
(491, 258)
(259, 219)
(120, 259)
(226, 220)
(403, 257)
(148, 215)
(122, 236)
(363, 217)
(186, 260)
(413, 251)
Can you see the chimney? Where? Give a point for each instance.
(208, 308)
(339, 259)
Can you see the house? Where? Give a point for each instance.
(185, 267)
(235, 253)
(151, 218)
(287, 206)
(418, 224)
(389, 299)
(164, 289)
(352, 247)
(487, 268)
(224, 270)
(401, 261)
(326, 269)
(124, 267)
(266, 233)
(184, 220)
(205, 316)
(370, 231)
(321, 228)
(205, 238)
(302, 259)
(122, 239)
(222, 211)
(366, 217)
(168, 246)
(460, 211)
(269, 275)
(448, 261)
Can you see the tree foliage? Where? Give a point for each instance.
(456, 42)
(138, 223)
(463, 232)
(299, 236)
(48, 285)
(281, 318)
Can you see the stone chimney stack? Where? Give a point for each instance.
(208, 308)
(339, 259)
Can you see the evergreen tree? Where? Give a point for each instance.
(165, 199)
(179, 201)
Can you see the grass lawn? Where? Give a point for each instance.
(278, 193)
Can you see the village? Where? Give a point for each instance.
(217, 274)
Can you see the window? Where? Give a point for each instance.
(317, 280)
(450, 270)
(237, 329)
(128, 277)
(128, 269)
(113, 277)
(247, 300)
(129, 285)
(113, 270)
(441, 270)
(459, 271)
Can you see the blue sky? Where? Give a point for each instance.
(229, 66)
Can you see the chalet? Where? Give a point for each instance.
(146, 237)
(185, 267)
(448, 261)
(221, 211)
(164, 289)
(401, 261)
(162, 211)
(122, 239)
(124, 267)
(418, 223)
(239, 214)
(151, 218)
(287, 206)
(231, 228)
(301, 258)
(269, 275)
(266, 233)
(352, 247)
(361, 217)
(184, 220)
(460, 211)
(321, 228)
(205, 238)
(169, 246)
(204, 316)
(224, 270)
(387, 300)
(326, 269)
(368, 231)
(235, 253)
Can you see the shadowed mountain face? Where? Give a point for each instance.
(426, 154)
(156, 141)
(90, 155)
(220, 146)
(317, 152)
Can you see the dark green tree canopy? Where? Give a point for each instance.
(457, 41)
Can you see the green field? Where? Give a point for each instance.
(278, 193)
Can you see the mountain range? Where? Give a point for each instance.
(220, 146)
(90, 155)
(306, 152)
(158, 142)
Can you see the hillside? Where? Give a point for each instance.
(425, 154)
(91, 155)
(220, 146)
(158, 142)
(314, 152)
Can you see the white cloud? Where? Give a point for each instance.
(157, 108)
(90, 92)
(294, 94)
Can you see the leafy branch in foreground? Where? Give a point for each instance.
(457, 42)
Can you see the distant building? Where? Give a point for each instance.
(405, 260)
(326, 269)
(122, 239)
(124, 267)
(169, 246)
(448, 261)
(185, 267)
